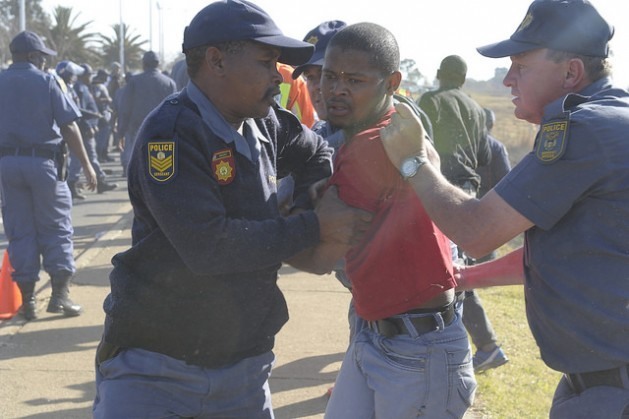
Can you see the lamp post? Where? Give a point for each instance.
(121, 40)
(22, 15)
(161, 31)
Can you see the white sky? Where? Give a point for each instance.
(427, 30)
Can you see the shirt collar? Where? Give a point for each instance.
(219, 126)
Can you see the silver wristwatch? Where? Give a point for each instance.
(411, 165)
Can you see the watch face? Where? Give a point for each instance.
(409, 167)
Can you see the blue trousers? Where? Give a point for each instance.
(75, 168)
(430, 375)
(36, 209)
(594, 403)
(141, 384)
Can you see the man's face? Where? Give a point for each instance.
(312, 75)
(355, 93)
(535, 81)
(38, 59)
(251, 82)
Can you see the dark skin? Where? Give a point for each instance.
(357, 95)
(243, 84)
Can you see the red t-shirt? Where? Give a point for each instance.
(404, 260)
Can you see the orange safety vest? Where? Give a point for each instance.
(295, 96)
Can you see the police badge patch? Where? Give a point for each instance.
(162, 159)
(223, 166)
(552, 142)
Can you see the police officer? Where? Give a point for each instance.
(88, 124)
(36, 121)
(194, 305)
(569, 196)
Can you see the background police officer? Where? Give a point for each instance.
(36, 118)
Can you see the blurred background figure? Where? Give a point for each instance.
(143, 92)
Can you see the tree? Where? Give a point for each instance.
(132, 47)
(412, 79)
(72, 42)
(36, 21)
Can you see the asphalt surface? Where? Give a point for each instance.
(47, 365)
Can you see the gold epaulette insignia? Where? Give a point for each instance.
(162, 160)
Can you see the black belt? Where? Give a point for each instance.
(44, 153)
(609, 378)
(393, 326)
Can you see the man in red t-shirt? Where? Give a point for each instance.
(413, 356)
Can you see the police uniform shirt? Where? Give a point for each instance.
(32, 107)
(199, 283)
(575, 188)
(86, 102)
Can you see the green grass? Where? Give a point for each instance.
(524, 387)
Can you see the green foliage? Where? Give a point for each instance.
(110, 47)
(70, 39)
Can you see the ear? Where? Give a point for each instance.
(574, 75)
(393, 82)
(214, 58)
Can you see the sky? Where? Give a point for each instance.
(426, 30)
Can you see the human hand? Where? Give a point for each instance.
(340, 224)
(90, 177)
(316, 190)
(404, 136)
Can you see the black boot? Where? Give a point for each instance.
(104, 186)
(75, 191)
(29, 306)
(60, 301)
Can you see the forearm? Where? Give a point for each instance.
(72, 137)
(507, 270)
(320, 259)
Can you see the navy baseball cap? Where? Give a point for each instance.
(564, 25)
(150, 58)
(236, 20)
(27, 41)
(320, 38)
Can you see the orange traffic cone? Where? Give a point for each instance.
(10, 296)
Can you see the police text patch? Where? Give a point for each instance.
(552, 142)
(162, 160)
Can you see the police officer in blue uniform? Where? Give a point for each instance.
(570, 196)
(142, 93)
(88, 125)
(37, 121)
(194, 303)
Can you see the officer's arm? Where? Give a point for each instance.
(478, 226)
(507, 270)
(72, 137)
